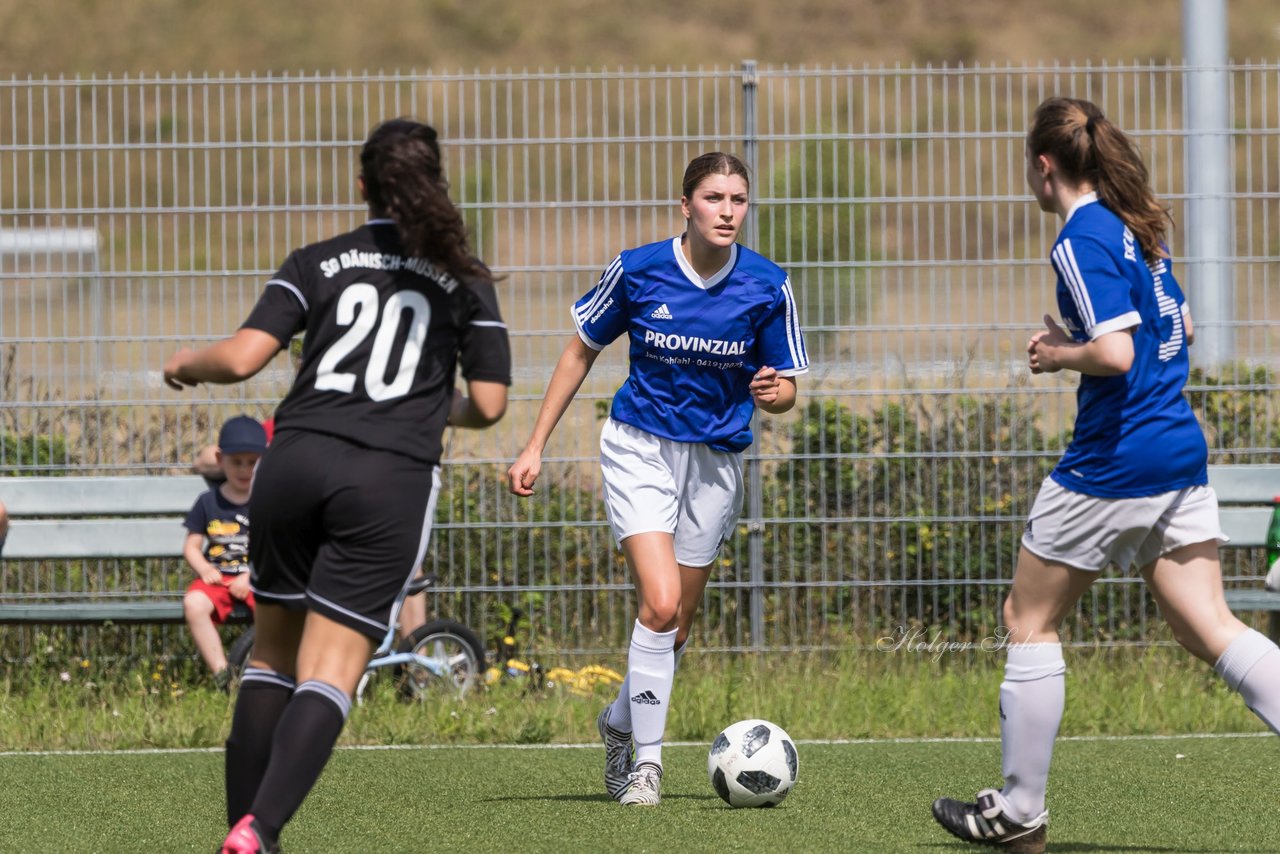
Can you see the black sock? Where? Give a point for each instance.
(263, 697)
(303, 741)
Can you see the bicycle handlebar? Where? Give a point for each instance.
(422, 582)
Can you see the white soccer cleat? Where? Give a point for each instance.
(617, 756)
(643, 787)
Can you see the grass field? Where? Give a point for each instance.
(1212, 794)
(854, 694)
(429, 777)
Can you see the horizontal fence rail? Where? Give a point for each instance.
(140, 214)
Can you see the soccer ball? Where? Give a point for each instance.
(753, 763)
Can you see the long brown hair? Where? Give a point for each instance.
(404, 181)
(711, 163)
(1086, 146)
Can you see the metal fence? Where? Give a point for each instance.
(141, 214)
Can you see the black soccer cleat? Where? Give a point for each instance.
(984, 823)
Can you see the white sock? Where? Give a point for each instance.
(1031, 700)
(1251, 665)
(620, 712)
(651, 666)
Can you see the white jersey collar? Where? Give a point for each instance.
(1086, 199)
(382, 221)
(692, 274)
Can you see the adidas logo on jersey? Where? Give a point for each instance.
(662, 312)
(647, 698)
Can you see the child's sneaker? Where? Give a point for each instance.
(222, 680)
(617, 756)
(985, 823)
(247, 838)
(643, 787)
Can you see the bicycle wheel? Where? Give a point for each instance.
(238, 653)
(453, 661)
(362, 686)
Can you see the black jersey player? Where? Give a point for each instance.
(343, 498)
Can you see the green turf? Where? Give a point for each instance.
(1119, 795)
(855, 694)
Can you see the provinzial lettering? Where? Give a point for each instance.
(694, 344)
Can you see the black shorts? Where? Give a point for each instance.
(338, 528)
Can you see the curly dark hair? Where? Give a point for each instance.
(404, 181)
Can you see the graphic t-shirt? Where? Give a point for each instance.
(225, 527)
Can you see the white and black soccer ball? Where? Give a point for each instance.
(753, 763)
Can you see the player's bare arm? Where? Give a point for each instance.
(230, 360)
(772, 393)
(572, 368)
(484, 404)
(1053, 350)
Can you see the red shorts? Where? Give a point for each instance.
(220, 596)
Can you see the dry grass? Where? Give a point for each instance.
(132, 36)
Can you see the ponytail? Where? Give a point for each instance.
(1086, 147)
(404, 181)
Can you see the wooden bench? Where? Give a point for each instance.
(1245, 498)
(88, 518)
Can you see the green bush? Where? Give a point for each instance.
(936, 490)
(1240, 415)
(919, 505)
(499, 546)
(904, 513)
(26, 454)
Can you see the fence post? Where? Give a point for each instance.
(1210, 238)
(755, 508)
(750, 144)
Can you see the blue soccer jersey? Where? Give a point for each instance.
(695, 343)
(1135, 434)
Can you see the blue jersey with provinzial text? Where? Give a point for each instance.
(1135, 433)
(695, 343)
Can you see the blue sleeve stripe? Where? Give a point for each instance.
(795, 337)
(1064, 258)
(294, 288)
(603, 289)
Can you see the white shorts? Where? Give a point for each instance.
(686, 489)
(1091, 533)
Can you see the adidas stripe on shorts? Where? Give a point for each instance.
(1091, 533)
(683, 488)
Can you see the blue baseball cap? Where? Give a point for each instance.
(242, 435)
